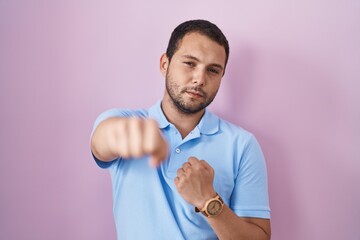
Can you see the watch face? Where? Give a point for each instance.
(214, 207)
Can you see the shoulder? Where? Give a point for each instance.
(123, 112)
(235, 131)
(241, 140)
(119, 112)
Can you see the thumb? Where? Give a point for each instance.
(193, 160)
(154, 162)
(159, 156)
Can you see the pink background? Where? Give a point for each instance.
(293, 80)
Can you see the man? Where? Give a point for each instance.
(207, 177)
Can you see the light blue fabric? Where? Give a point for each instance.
(146, 202)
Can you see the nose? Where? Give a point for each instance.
(199, 77)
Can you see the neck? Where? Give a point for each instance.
(184, 122)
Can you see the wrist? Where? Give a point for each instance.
(201, 203)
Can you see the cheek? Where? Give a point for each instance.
(181, 73)
(214, 85)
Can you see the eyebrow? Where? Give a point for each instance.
(196, 59)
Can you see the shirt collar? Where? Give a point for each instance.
(156, 112)
(209, 123)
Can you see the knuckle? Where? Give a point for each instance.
(193, 159)
(186, 165)
(204, 164)
(150, 124)
(134, 120)
(149, 146)
(125, 154)
(136, 152)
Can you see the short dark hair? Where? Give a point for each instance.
(203, 27)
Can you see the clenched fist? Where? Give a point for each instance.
(129, 137)
(194, 182)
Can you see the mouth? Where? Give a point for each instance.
(195, 94)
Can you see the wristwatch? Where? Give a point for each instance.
(213, 207)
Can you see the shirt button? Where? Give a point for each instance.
(177, 150)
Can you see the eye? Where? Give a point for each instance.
(213, 70)
(190, 64)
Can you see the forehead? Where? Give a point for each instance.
(201, 47)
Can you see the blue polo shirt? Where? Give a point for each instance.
(146, 203)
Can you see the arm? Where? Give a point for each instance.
(194, 182)
(128, 137)
(227, 225)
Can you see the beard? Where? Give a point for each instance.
(191, 106)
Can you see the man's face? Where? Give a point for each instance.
(194, 74)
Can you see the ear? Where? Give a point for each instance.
(164, 64)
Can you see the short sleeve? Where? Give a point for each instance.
(250, 196)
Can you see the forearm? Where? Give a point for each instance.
(103, 139)
(227, 225)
